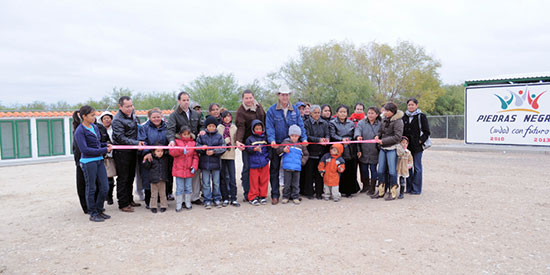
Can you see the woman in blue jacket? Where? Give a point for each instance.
(151, 133)
(91, 161)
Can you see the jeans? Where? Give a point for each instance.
(366, 167)
(414, 181)
(93, 171)
(292, 185)
(215, 191)
(245, 174)
(274, 167)
(388, 158)
(184, 185)
(228, 183)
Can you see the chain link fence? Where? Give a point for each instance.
(450, 126)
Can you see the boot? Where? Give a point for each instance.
(179, 201)
(372, 187)
(110, 193)
(379, 193)
(188, 205)
(401, 192)
(393, 193)
(365, 185)
(147, 198)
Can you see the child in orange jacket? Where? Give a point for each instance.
(331, 166)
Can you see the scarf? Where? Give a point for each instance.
(413, 113)
(226, 132)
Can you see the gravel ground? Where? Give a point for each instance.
(480, 212)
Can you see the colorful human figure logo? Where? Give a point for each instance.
(519, 99)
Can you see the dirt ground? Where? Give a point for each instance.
(479, 213)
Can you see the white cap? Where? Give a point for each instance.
(283, 90)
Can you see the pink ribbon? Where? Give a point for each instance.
(144, 147)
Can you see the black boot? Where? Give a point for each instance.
(372, 186)
(147, 198)
(401, 192)
(110, 192)
(365, 185)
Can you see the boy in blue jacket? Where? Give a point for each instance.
(210, 162)
(258, 159)
(294, 157)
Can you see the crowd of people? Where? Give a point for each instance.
(307, 149)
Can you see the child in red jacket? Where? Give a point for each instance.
(186, 163)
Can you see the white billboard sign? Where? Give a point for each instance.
(515, 114)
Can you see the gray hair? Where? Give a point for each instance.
(313, 107)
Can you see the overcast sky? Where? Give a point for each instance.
(75, 50)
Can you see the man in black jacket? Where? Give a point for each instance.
(125, 131)
(185, 116)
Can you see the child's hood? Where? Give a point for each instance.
(190, 138)
(340, 149)
(254, 123)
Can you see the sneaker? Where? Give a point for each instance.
(218, 204)
(162, 210)
(296, 201)
(97, 218)
(104, 216)
(326, 198)
(179, 209)
(170, 197)
(154, 210)
(235, 203)
(336, 200)
(284, 201)
(225, 203)
(208, 205)
(263, 201)
(255, 202)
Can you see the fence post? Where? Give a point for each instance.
(447, 127)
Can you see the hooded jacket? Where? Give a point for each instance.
(295, 158)
(332, 166)
(257, 159)
(210, 139)
(158, 169)
(277, 124)
(404, 161)
(184, 160)
(391, 131)
(369, 151)
(125, 129)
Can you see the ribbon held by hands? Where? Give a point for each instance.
(146, 147)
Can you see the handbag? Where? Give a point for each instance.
(428, 143)
(110, 167)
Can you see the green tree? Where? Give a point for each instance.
(221, 89)
(451, 102)
(327, 73)
(400, 72)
